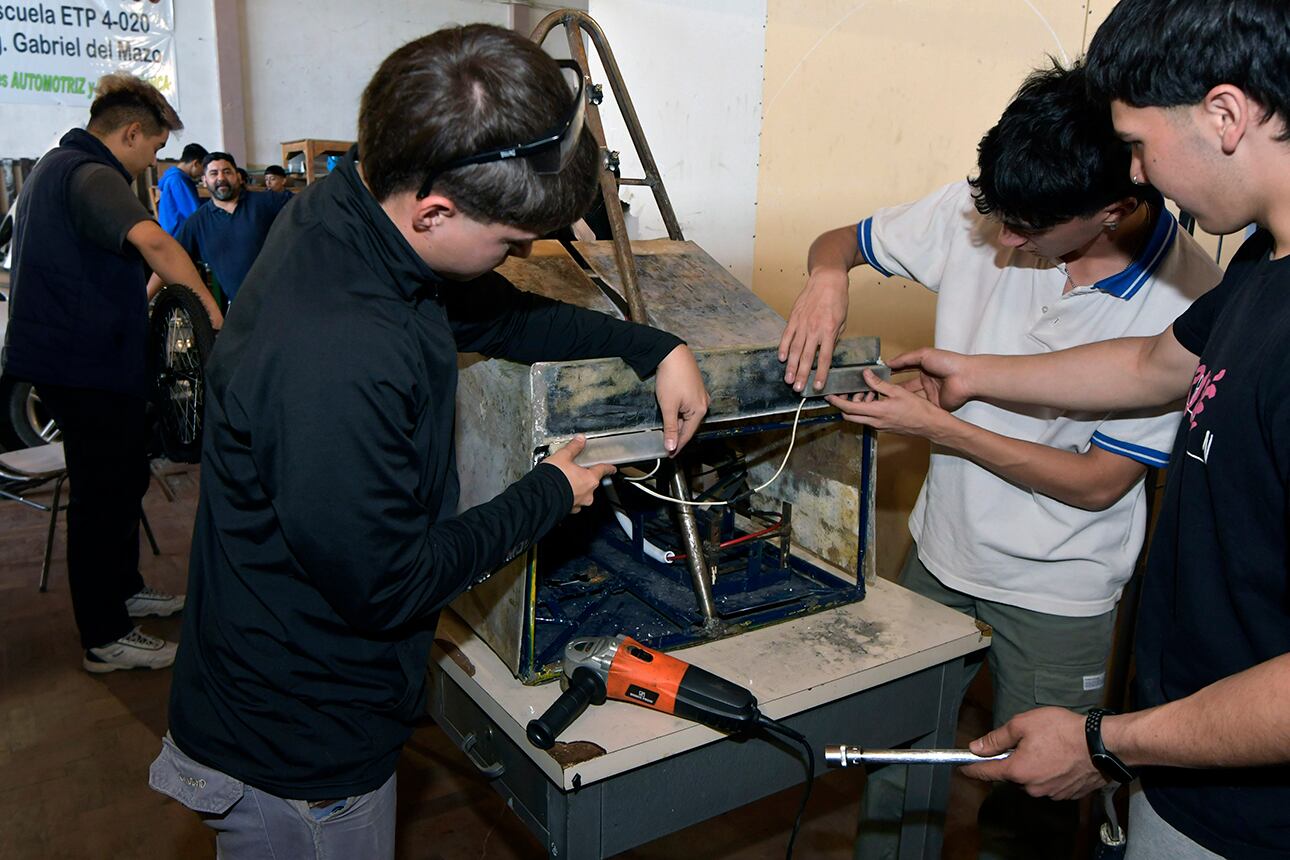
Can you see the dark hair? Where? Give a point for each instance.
(275, 170)
(465, 90)
(192, 152)
(1053, 155)
(120, 99)
(218, 156)
(1167, 53)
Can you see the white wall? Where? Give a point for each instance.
(27, 130)
(694, 72)
(304, 65)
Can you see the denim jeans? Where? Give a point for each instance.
(251, 824)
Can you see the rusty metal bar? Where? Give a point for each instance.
(574, 20)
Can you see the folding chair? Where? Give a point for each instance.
(25, 470)
(28, 468)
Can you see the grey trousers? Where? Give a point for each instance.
(1153, 838)
(1035, 659)
(251, 824)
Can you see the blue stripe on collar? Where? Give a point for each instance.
(1125, 285)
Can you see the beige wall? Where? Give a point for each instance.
(869, 103)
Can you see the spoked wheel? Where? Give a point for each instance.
(24, 420)
(180, 339)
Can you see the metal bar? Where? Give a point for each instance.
(609, 194)
(848, 379)
(147, 530)
(53, 524)
(574, 20)
(693, 547)
(628, 111)
(848, 756)
(575, 23)
(619, 448)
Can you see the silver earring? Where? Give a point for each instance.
(1136, 180)
(1112, 226)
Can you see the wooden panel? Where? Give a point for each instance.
(690, 294)
(550, 271)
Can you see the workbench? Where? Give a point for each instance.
(883, 672)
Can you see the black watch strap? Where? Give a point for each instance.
(1106, 762)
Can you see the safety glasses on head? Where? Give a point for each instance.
(548, 153)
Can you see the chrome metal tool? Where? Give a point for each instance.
(842, 755)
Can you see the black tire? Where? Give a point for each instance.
(180, 339)
(24, 420)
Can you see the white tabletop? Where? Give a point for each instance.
(790, 667)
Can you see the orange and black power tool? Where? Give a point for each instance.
(618, 667)
(597, 668)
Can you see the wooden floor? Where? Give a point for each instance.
(75, 747)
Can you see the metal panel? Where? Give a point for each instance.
(603, 395)
(508, 412)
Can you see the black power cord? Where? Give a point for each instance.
(779, 728)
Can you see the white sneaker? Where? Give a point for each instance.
(151, 603)
(134, 650)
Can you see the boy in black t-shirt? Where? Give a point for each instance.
(1200, 92)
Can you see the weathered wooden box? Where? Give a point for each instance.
(583, 579)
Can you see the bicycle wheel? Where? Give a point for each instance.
(180, 339)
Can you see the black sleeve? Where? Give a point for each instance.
(492, 317)
(342, 468)
(1193, 327)
(103, 207)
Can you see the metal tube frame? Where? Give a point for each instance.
(575, 23)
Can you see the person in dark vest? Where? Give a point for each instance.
(77, 330)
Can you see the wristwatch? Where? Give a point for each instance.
(1106, 762)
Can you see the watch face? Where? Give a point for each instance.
(1111, 768)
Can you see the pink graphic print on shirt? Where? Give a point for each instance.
(1204, 385)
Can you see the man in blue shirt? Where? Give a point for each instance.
(176, 189)
(228, 231)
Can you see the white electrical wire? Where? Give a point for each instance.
(792, 439)
(658, 464)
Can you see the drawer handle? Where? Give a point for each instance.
(468, 746)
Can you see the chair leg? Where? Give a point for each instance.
(147, 530)
(154, 466)
(53, 524)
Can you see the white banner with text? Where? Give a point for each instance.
(53, 53)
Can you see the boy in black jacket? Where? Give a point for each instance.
(327, 539)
